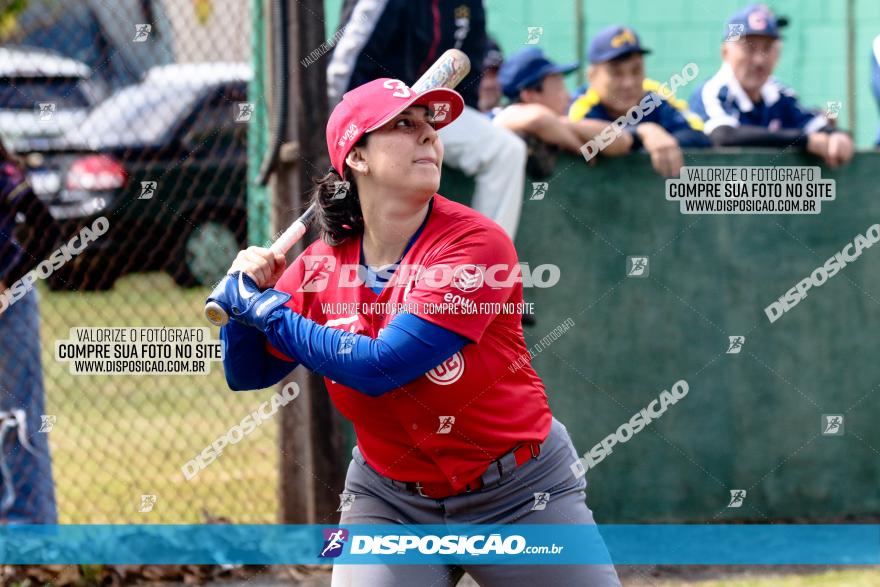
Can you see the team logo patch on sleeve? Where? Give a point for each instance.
(447, 372)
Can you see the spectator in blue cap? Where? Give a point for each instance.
(743, 104)
(539, 100)
(659, 122)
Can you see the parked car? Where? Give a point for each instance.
(43, 95)
(165, 160)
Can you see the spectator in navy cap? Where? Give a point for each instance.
(617, 85)
(743, 104)
(490, 87)
(539, 101)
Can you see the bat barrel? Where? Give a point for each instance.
(447, 71)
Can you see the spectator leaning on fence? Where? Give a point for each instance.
(617, 85)
(401, 39)
(539, 99)
(875, 74)
(27, 493)
(744, 106)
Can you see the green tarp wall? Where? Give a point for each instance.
(751, 420)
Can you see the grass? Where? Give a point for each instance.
(119, 437)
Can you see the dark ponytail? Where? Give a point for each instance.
(339, 213)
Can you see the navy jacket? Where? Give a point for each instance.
(400, 39)
(722, 102)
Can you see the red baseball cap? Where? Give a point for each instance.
(367, 107)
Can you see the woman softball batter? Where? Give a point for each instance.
(450, 429)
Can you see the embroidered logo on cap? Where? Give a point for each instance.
(348, 135)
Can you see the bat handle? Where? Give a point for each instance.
(289, 237)
(214, 312)
(294, 232)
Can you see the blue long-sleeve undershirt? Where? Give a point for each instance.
(246, 362)
(406, 349)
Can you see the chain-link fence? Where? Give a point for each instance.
(130, 122)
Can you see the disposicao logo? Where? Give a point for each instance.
(334, 541)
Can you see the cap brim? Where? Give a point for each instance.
(538, 76)
(761, 34)
(617, 55)
(427, 98)
(565, 69)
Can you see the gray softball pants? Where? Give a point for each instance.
(378, 500)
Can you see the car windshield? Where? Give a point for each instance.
(135, 115)
(22, 93)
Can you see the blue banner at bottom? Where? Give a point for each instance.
(527, 544)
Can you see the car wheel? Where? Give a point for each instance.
(208, 249)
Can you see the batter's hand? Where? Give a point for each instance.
(261, 265)
(666, 155)
(243, 301)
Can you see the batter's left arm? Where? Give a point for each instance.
(407, 348)
(246, 362)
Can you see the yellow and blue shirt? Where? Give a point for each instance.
(672, 114)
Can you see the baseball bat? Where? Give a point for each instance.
(447, 72)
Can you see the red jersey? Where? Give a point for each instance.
(461, 273)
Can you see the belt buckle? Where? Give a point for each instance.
(419, 488)
(535, 449)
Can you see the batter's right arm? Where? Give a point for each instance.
(246, 362)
